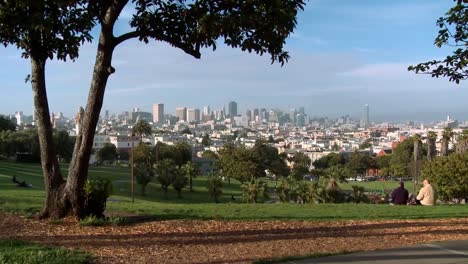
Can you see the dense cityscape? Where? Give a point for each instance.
(289, 131)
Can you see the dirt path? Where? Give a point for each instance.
(228, 242)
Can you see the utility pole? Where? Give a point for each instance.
(133, 177)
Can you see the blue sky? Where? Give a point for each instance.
(344, 54)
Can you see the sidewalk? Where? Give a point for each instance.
(451, 252)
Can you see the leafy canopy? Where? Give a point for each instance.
(46, 29)
(453, 32)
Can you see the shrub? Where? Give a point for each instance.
(143, 175)
(96, 221)
(291, 189)
(449, 175)
(96, 193)
(359, 195)
(331, 192)
(215, 187)
(180, 181)
(254, 190)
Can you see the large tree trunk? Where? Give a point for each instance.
(78, 172)
(55, 204)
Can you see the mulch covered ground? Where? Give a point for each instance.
(228, 242)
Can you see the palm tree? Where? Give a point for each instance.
(446, 136)
(417, 157)
(191, 170)
(462, 142)
(431, 145)
(142, 128)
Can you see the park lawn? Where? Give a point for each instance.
(198, 205)
(14, 251)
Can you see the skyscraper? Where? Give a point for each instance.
(193, 115)
(206, 110)
(367, 118)
(232, 109)
(255, 113)
(181, 113)
(158, 113)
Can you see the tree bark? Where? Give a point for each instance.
(55, 204)
(78, 172)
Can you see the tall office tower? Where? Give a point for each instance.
(264, 114)
(367, 118)
(106, 116)
(158, 113)
(292, 116)
(193, 115)
(300, 120)
(206, 110)
(248, 114)
(302, 110)
(255, 113)
(232, 109)
(219, 114)
(19, 118)
(181, 113)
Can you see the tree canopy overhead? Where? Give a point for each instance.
(453, 32)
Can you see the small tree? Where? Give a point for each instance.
(449, 175)
(6, 124)
(215, 187)
(206, 141)
(166, 171)
(191, 170)
(107, 153)
(142, 128)
(143, 175)
(254, 190)
(179, 183)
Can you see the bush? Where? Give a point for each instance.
(180, 181)
(359, 195)
(96, 193)
(449, 175)
(254, 190)
(297, 191)
(96, 221)
(215, 187)
(331, 192)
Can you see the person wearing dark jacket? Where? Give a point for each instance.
(400, 195)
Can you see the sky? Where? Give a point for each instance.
(344, 54)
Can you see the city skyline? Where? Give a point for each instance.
(340, 60)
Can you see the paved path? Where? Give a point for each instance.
(451, 252)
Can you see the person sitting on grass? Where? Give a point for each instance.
(20, 184)
(400, 195)
(426, 194)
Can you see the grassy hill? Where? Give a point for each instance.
(198, 205)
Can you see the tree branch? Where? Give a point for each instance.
(187, 48)
(124, 37)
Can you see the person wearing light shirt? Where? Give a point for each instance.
(426, 194)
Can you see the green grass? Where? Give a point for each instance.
(13, 251)
(198, 205)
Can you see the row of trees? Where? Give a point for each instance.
(26, 142)
(171, 165)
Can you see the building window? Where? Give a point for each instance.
(128, 144)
